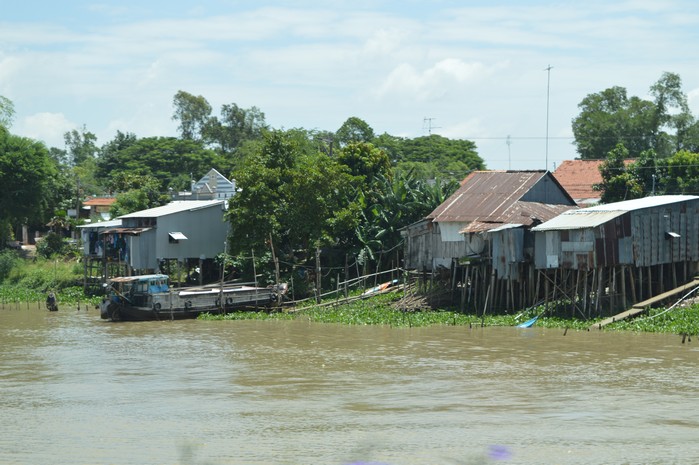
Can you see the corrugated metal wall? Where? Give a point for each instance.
(647, 237)
(508, 252)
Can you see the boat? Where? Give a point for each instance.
(528, 323)
(150, 297)
(380, 288)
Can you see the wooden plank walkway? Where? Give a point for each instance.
(644, 305)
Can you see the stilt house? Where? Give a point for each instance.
(611, 256)
(481, 234)
(178, 236)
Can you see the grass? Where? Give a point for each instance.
(29, 280)
(379, 310)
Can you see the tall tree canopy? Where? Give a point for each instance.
(192, 114)
(431, 157)
(235, 126)
(7, 112)
(81, 146)
(173, 162)
(354, 130)
(26, 175)
(618, 182)
(610, 117)
(298, 199)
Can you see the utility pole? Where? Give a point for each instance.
(548, 89)
(509, 155)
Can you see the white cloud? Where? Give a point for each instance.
(46, 127)
(431, 83)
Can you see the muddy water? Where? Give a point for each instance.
(78, 390)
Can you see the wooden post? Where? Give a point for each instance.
(318, 271)
(623, 286)
(632, 281)
(347, 277)
(600, 283)
(276, 268)
(586, 310)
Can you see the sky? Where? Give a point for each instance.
(507, 75)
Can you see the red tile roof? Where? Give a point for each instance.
(578, 177)
(99, 201)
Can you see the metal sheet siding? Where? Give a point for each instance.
(508, 251)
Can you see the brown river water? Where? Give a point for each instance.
(78, 390)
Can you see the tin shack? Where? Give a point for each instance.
(610, 256)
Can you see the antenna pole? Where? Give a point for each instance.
(509, 156)
(548, 89)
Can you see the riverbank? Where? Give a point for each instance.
(379, 310)
(25, 283)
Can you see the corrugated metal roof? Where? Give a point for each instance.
(519, 213)
(130, 231)
(638, 204)
(173, 207)
(505, 227)
(594, 216)
(101, 224)
(579, 219)
(486, 195)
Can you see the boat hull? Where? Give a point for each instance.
(185, 304)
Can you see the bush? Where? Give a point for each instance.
(8, 260)
(50, 245)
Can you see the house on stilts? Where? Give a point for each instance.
(609, 257)
(175, 238)
(480, 238)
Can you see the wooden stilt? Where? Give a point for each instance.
(632, 282)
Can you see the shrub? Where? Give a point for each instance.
(50, 245)
(8, 260)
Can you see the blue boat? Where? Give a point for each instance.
(528, 323)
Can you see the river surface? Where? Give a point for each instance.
(78, 390)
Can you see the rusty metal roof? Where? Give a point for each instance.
(519, 213)
(488, 196)
(130, 231)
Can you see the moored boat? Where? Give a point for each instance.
(150, 297)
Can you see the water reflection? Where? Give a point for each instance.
(76, 389)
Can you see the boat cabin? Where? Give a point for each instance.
(138, 290)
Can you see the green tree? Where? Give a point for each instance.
(298, 199)
(610, 117)
(681, 174)
(618, 183)
(354, 130)
(235, 126)
(7, 112)
(365, 160)
(81, 146)
(192, 114)
(26, 174)
(108, 160)
(167, 159)
(401, 201)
